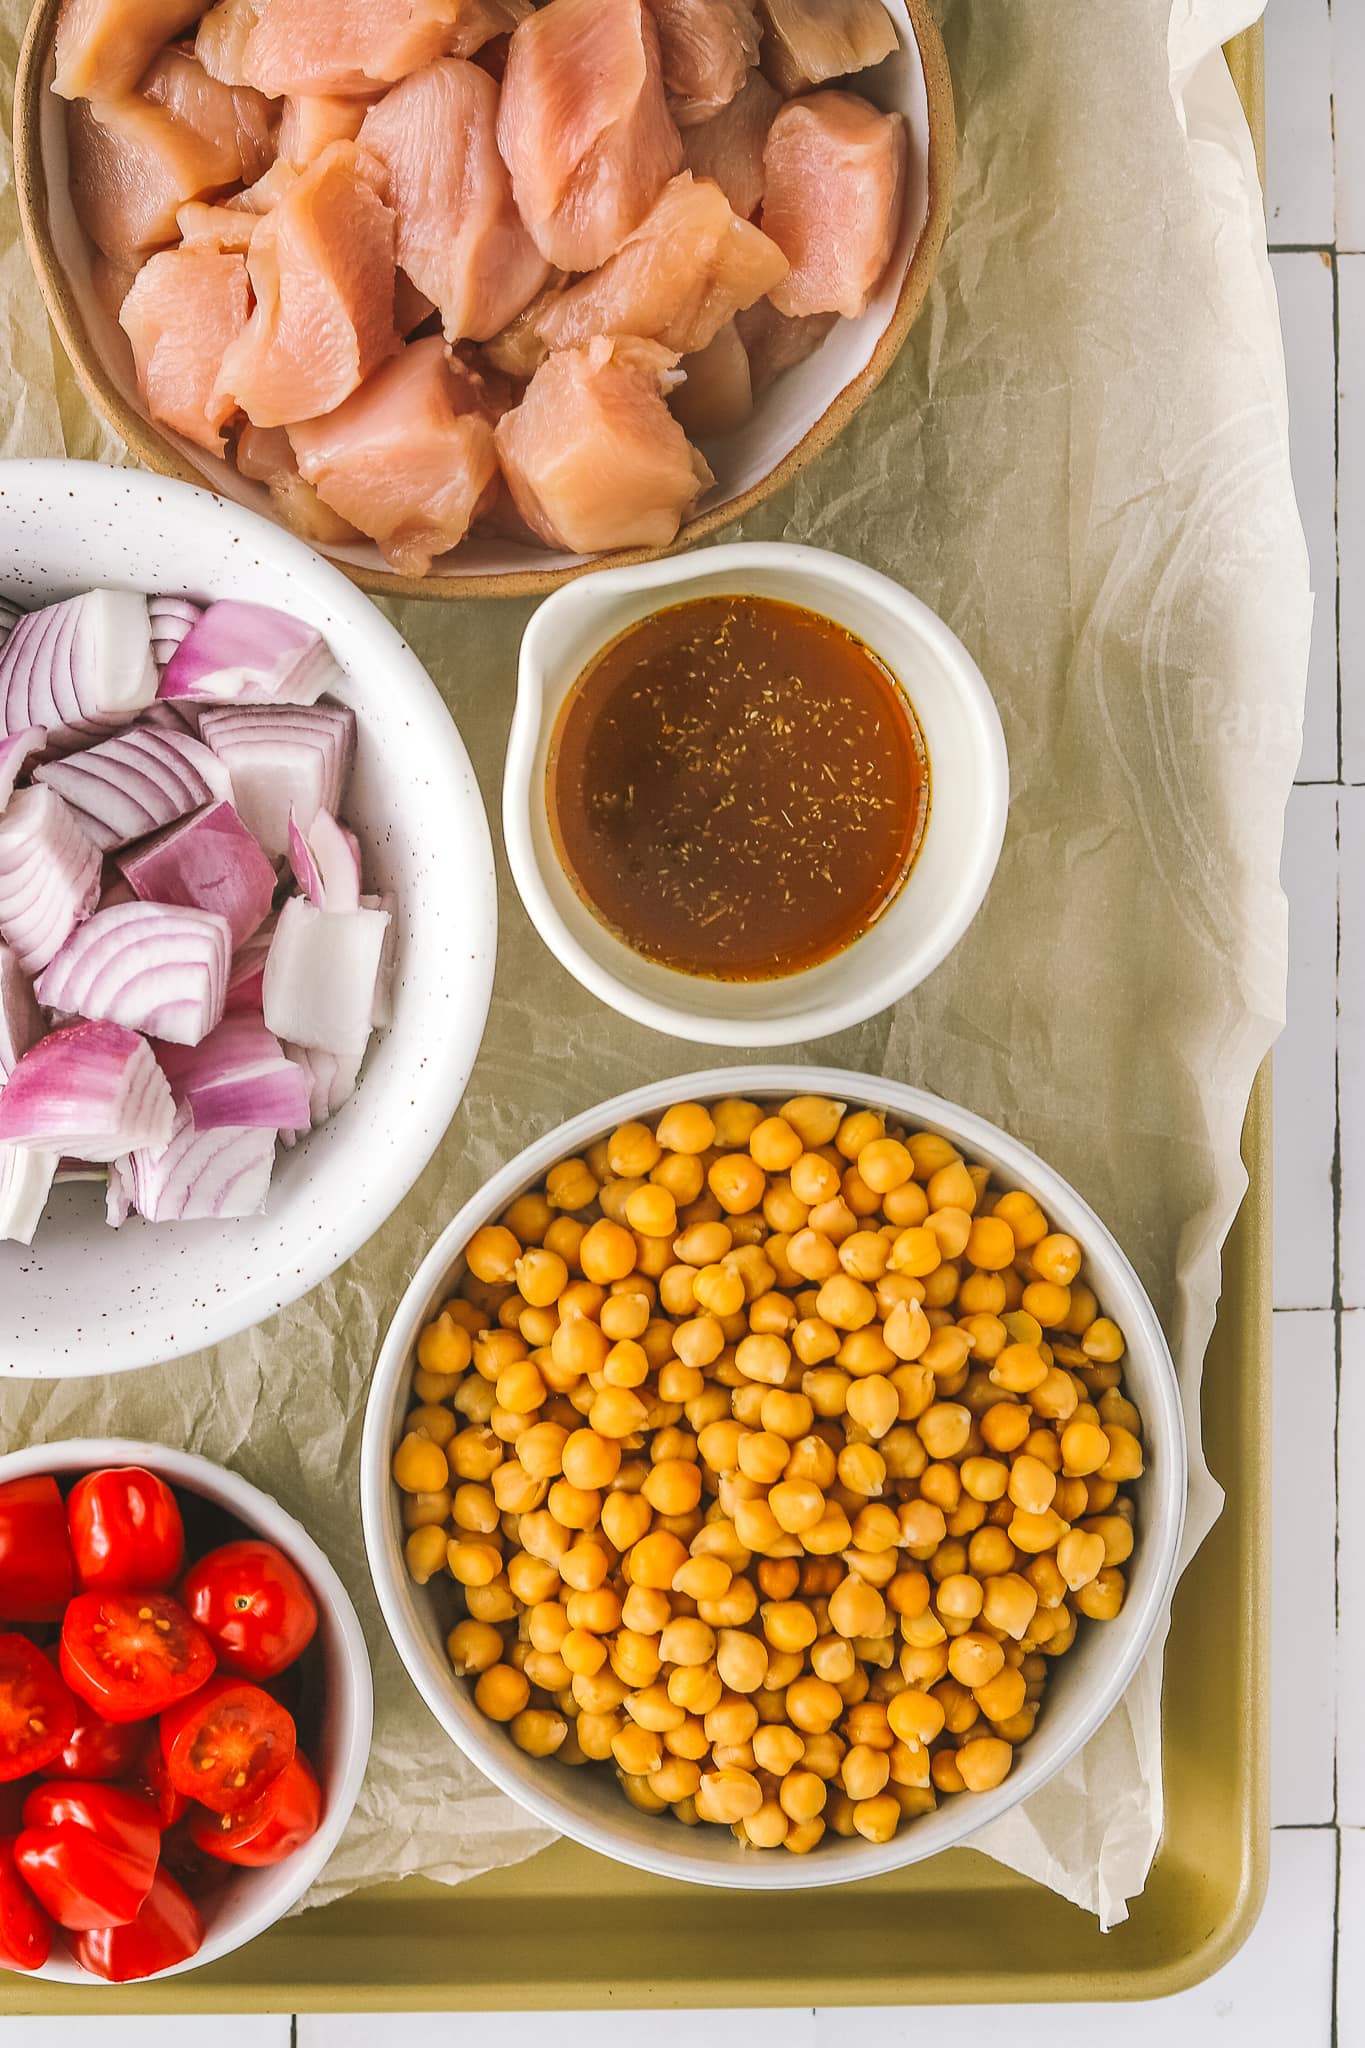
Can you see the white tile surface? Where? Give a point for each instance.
(249, 2030)
(1298, 65)
(1303, 1582)
(1348, 96)
(1351, 509)
(1305, 1083)
(1307, 313)
(1351, 1573)
(1351, 1042)
(1351, 1948)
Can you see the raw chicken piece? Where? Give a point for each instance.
(584, 127)
(592, 455)
(519, 351)
(806, 42)
(104, 46)
(265, 455)
(773, 342)
(408, 458)
(835, 189)
(312, 121)
(460, 237)
(707, 48)
(354, 46)
(729, 148)
(268, 191)
(220, 44)
(231, 118)
(133, 165)
(718, 397)
(186, 308)
(205, 226)
(322, 269)
(687, 269)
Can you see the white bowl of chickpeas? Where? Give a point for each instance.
(773, 1459)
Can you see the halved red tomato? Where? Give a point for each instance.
(126, 1530)
(37, 1577)
(150, 1777)
(25, 1929)
(131, 1654)
(253, 1604)
(37, 1710)
(167, 1930)
(284, 1817)
(223, 1747)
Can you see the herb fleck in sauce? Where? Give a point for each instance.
(737, 787)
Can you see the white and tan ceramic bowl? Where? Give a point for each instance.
(1084, 1686)
(88, 1299)
(968, 807)
(793, 422)
(338, 1745)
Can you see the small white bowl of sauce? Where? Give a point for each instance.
(752, 795)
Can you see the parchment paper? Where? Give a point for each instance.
(1081, 461)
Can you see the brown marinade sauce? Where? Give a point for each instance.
(737, 788)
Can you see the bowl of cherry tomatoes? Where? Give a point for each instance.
(185, 1711)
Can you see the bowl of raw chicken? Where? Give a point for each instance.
(474, 295)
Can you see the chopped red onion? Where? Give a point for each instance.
(247, 973)
(49, 876)
(250, 654)
(326, 862)
(388, 960)
(137, 782)
(237, 1077)
(153, 967)
(170, 619)
(299, 756)
(25, 1184)
(330, 1081)
(80, 669)
(15, 754)
(321, 976)
(91, 1090)
(21, 1021)
(207, 862)
(197, 1176)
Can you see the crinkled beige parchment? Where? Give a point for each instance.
(1081, 461)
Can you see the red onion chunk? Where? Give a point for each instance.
(330, 1081)
(278, 758)
(137, 782)
(198, 1176)
(49, 876)
(321, 976)
(170, 619)
(207, 862)
(250, 654)
(16, 752)
(382, 1016)
(25, 1184)
(80, 669)
(93, 1091)
(153, 967)
(21, 1021)
(238, 1076)
(247, 974)
(326, 862)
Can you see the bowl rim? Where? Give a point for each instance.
(859, 996)
(270, 1518)
(488, 1747)
(373, 645)
(156, 453)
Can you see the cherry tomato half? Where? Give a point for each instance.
(25, 1929)
(254, 1606)
(223, 1747)
(131, 1654)
(284, 1817)
(167, 1930)
(126, 1531)
(88, 1853)
(37, 1577)
(150, 1777)
(37, 1710)
(98, 1749)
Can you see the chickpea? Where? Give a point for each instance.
(473, 1647)
(686, 1127)
(419, 1465)
(501, 1692)
(984, 1762)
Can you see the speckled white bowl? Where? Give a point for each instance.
(255, 1899)
(88, 1299)
(1085, 1686)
